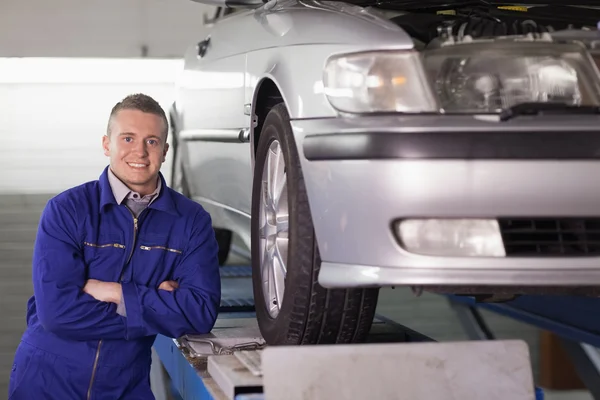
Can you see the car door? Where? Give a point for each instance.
(213, 131)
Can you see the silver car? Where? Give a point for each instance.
(447, 146)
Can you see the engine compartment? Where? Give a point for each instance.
(431, 27)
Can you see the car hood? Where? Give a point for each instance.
(516, 3)
(455, 3)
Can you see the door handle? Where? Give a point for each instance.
(203, 46)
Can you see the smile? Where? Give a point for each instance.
(135, 165)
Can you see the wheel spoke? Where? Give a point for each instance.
(282, 226)
(265, 264)
(268, 231)
(273, 305)
(278, 278)
(272, 161)
(267, 275)
(281, 254)
(277, 171)
(264, 195)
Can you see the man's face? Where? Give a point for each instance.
(137, 149)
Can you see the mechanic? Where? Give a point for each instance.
(116, 261)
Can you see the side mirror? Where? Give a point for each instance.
(208, 21)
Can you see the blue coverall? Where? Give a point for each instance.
(76, 347)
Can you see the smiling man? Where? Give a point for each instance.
(116, 261)
(136, 144)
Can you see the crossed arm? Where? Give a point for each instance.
(112, 292)
(74, 307)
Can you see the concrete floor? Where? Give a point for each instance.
(19, 215)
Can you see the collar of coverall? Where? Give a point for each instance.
(162, 202)
(122, 192)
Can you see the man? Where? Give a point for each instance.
(116, 262)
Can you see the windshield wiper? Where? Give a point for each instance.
(547, 108)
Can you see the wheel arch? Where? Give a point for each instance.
(267, 95)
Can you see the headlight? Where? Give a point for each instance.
(465, 78)
(378, 82)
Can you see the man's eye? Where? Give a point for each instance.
(128, 139)
(152, 142)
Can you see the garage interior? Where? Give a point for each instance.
(63, 64)
(429, 314)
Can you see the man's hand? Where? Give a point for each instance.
(103, 291)
(168, 286)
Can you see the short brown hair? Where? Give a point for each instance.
(143, 103)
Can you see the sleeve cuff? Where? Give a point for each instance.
(121, 310)
(134, 321)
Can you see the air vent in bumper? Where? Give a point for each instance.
(566, 237)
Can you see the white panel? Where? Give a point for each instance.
(174, 25)
(52, 133)
(469, 370)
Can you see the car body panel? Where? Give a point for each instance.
(210, 115)
(245, 48)
(358, 200)
(354, 202)
(209, 129)
(293, 56)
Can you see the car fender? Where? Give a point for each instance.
(296, 41)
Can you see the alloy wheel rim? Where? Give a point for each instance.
(273, 231)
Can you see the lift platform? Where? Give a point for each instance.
(233, 363)
(573, 319)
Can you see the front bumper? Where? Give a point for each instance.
(362, 174)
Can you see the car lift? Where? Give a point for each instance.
(573, 319)
(226, 364)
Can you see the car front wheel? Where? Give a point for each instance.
(291, 307)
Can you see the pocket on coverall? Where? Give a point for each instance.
(26, 377)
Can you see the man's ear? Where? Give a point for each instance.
(165, 152)
(106, 145)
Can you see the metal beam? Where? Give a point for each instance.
(586, 360)
(472, 321)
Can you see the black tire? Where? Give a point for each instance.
(224, 240)
(310, 314)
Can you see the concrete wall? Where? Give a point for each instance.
(54, 111)
(99, 28)
(52, 122)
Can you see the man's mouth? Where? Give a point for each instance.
(136, 165)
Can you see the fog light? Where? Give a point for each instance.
(451, 237)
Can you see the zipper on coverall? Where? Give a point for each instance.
(135, 230)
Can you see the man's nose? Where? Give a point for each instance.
(141, 149)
